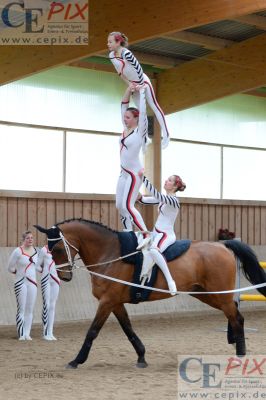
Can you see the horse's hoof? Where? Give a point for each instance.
(142, 364)
(72, 365)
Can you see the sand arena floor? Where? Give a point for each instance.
(35, 370)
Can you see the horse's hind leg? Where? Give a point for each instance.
(235, 333)
(121, 314)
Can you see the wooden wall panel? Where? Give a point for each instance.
(244, 230)
(3, 221)
(263, 226)
(78, 209)
(257, 219)
(211, 223)
(238, 220)
(41, 219)
(199, 219)
(87, 209)
(12, 222)
(22, 216)
(51, 213)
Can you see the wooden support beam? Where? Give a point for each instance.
(148, 20)
(151, 59)
(225, 72)
(209, 42)
(92, 65)
(254, 20)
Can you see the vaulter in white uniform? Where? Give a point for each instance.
(131, 71)
(22, 263)
(131, 176)
(50, 289)
(163, 233)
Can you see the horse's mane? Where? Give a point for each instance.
(88, 222)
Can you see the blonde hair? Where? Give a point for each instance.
(25, 234)
(121, 37)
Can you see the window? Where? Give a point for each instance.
(31, 159)
(198, 166)
(92, 163)
(244, 174)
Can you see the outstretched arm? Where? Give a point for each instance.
(162, 198)
(148, 200)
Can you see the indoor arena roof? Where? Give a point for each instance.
(201, 50)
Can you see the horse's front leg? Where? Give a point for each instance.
(103, 312)
(121, 314)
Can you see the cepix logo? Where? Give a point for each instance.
(37, 21)
(217, 376)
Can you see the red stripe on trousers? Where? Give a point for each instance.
(162, 239)
(133, 182)
(157, 105)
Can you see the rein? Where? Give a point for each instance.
(71, 263)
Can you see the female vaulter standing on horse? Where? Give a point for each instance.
(131, 71)
(163, 233)
(130, 179)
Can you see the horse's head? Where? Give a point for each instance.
(62, 250)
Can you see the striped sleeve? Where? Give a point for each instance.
(165, 199)
(131, 59)
(148, 200)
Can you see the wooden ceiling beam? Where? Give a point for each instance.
(208, 42)
(152, 59)
(226, 72)
(149, 19)
(254, 20)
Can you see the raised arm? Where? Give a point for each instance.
(13, 259)
(131, 59)
(162, 198)
(125, 103)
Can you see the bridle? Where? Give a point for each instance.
(71, 262)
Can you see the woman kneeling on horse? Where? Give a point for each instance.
(163, 232)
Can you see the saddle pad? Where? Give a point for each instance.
(128, 244)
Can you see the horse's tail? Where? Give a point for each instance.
(250, 264)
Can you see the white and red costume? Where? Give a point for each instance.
(131, 175)
(163, 234)
(128, 67)
(23, 266)
(50, 289)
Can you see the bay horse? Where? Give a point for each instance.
(206, 266)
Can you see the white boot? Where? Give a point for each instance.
(172, 287)
(160, 261)
(146, 266)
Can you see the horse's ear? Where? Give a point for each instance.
(41, 229)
